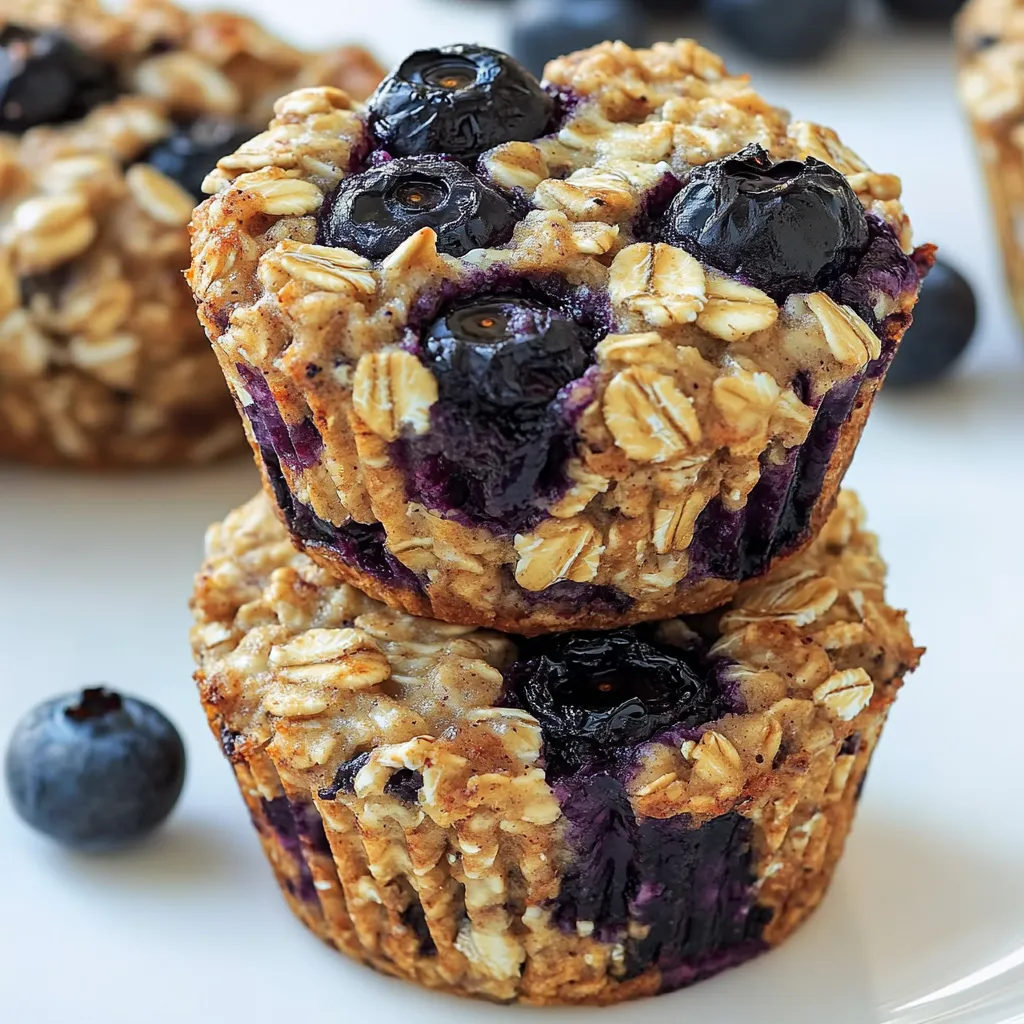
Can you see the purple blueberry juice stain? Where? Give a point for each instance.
(297, 445)
(297, 826)
(738, 544)
(598, 698)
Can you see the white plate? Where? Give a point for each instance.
(926, 918)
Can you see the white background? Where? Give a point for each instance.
(927, 914)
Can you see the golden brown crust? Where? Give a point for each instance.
(299, 674)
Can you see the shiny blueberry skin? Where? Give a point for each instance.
(373, 212)
(785, 227)
(781, 30)
(503, 428)
(924, 10)
(193, 150)
(545, 29)
(45, 78)
(945, 318)
(94, 770)
(592, 692)
(507, 351)
(457, 100)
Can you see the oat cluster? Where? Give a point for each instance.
(101, 359)
(300, 673)
(694, 389)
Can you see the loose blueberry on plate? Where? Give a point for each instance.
(94, 770)
(193, 150)
(785, 227)
(45, 78)
(781, 30)
(924, 10)
(457, 100)
(545, 29)
(592, 692)
(944, 321)
(374, 212)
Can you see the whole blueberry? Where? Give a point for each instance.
(506, 351)
(924, 10)
(374, 212)
(45, 78)
(944, 321)
(457, 100)
(781, 30)
(193, 150)
(597, 691)
(545, 29)
(94, 770)
(785, 227)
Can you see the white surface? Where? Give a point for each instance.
(926, 919)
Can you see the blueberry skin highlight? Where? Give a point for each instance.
(457, 100)
(945, 319)
(94, 770)
(786, 227)
(45, 78)
(372, 213)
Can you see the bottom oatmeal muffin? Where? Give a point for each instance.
(582, 818)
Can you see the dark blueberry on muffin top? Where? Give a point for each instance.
(786, 227)
(593, 692)
(374, 212)
(506, 351)
(45, 78)
(458, 100)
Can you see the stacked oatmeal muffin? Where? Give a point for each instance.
(108, 124)
(551, 659)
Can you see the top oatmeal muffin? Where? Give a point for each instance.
(552, 357)
(108, 124)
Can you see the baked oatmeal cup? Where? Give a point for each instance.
(108, 124)
(558, 357)
(584, 818)
(990, 43)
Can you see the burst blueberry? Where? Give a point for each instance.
(501, 433)
(374, 212)
(45, 78)
(193, 150)
(785, 227)
(95, 770)
(458, 100)
(593, 692)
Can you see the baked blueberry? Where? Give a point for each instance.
(545, 29)
(506, 351)
(374, 212)
(95, 770)
(945, 317)
(45, 78)
(925, 10)
(193, 150)
(592, 692)
(785, 227)
(782, 30)
(457, 100)
(502, 430)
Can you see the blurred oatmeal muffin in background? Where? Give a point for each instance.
(108, 123)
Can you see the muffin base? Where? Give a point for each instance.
(439, 601)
